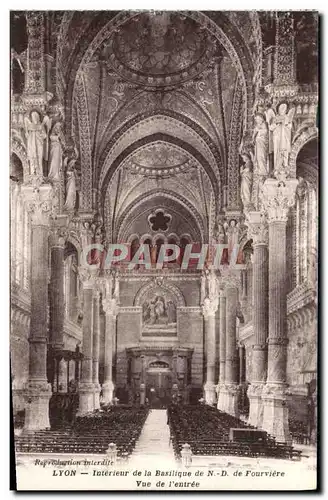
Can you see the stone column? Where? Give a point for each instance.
(38, 203)
(175, 386)
(109, 306)
(231, 375)
(278, 197)
(209, 310)
(223, 310)
(242, 372)
(95, 347)
(258, 231)
(86, 387)
(143, 381)
(62, 376)
(57, 297)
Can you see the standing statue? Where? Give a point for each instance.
(116, 287)
(171, 312)
(280, 126)
(213, 285)
(37, 141)
(219, 234)
(261, 145)
(70, 185)
(56, 153)
(109, 285)
(233, 237)
(204, 286)
(246, 173)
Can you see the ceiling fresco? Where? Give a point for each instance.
(159, 49)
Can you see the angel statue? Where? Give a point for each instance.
(37, 141)
(56, 153)
(70, 184)
(246, 173)
(280, 127)
(261, 146)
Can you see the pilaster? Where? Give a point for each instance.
(223, 309)
(86, 386)
(209, 310)
(277, 198)
(258, 232)
(39, 204)
(57, 240)
(110, 308)
(95, 347)
(230, 390)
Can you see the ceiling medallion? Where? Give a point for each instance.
(160, 159)
(160, 49)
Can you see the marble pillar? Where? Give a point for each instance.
(258, 232)
(143, 381)
(86, 387)
(38, 203)
(175, 383)
(95, 347)
(230, 390)
(57, 297)
(62, 376)
(109, 306)
(223, 308)
(209, 311)
(277, 197)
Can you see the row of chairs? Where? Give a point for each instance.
(207, 431)
(89, 434)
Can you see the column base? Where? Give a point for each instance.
(275, 412)
(96, 396)
(254, 394)
(230, 394)
(210, 393)
(175, 390)
(142, 394)
(86, 398)
(37, 406)
(221, 397)
(108, 391)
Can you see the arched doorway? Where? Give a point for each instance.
(159, 384)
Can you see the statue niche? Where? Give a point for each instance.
(159, 316)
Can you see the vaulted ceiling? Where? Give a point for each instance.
(156, 104)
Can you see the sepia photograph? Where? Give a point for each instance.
(164, 205)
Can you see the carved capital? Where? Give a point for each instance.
(277, 198)
(210, 307)
(59, 232)
(39, 203)
(110, 306)
(88, 278)
(257, 228)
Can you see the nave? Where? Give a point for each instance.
(143, 434)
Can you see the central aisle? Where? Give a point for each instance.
(153, 445)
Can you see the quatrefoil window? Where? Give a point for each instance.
(159, 221)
